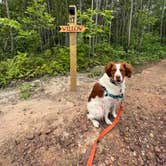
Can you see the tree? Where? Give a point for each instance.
(130, 20)
(11, 34)
(162, 19)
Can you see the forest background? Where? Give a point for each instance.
(120, 30)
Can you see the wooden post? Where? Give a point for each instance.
(73, 50)
(73, 29)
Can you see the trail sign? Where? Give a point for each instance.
(73, 28)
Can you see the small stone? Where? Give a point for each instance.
(17, 142)
(143, 152)
(30, 136)
(138, 107)
(149, 155)
(112, 158)
(48, 131)
(39, 133)
(151, 135)
(24, 110)
(134, 153)
(157, 149)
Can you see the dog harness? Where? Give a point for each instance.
(111, 95)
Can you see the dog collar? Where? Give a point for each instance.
(111, 95)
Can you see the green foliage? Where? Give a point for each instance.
(96, 72)
(56, 61)
(6, 22)
(37, 15)
(25, 91)
(145, 18)
(27, 41)
(24, 66)
(92, 28)
(25, 32)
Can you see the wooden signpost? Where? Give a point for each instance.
(73, 28)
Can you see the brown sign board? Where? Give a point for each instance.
(72, 28)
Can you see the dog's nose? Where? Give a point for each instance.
(118, 78)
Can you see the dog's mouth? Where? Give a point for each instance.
(117, 82)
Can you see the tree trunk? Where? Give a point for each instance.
(11, 33)
(90, 40)
(96, 22)
(130, 20)
(162, 18)
(150, 9)
(141, 39)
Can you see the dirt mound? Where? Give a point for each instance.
(51, 127)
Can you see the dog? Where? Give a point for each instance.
(108, 92)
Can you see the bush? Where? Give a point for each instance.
(24, 66)
(25, 91)
(55, 61)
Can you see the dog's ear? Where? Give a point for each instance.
(108, 68)
(128, 69)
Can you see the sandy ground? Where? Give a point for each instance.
(51, 129)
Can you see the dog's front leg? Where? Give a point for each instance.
(107, 120)
(114, 111)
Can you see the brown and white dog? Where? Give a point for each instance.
(108, 92)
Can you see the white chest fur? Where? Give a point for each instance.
(112, 88)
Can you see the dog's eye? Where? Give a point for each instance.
(114, 70)
(121, 70)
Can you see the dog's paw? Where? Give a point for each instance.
(114, 115)
(88, 116)
(108, 122)
(96, 123)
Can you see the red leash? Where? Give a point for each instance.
(101, 135)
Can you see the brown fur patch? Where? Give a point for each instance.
(96, 91)
(128, 69)
(122, 70)
(110, 69)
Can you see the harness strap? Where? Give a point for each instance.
(111, 95)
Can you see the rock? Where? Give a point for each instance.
(151, 135)
(112, 158)
(48, 131)
(161, 159)
(149, 155)
(36, 83)
(24, 110)
(134, 153)
(143, 152)
(30, 136)
(139, 107)
(157, 149)
(140, 160)
(101, 163)
(17, 142)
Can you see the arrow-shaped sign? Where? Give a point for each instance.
(72, 28)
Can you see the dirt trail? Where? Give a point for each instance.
(51, 128)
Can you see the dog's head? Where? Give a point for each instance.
(117, 71)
